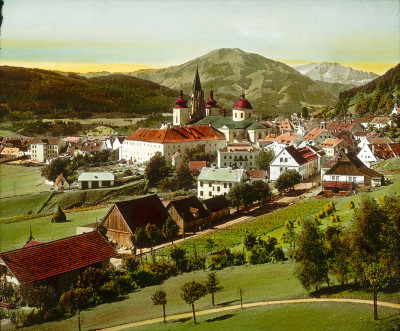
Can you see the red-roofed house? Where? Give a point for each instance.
(61, 183)
(196, 166)
(344, 126)
(373, 154)
(317, 136)
(284, 140)
(142, 144)
(304, 160)
(257, 175)
(56, 263)
(332, 146)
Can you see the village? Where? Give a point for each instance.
(337, 158)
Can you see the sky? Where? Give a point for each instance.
(127, 35)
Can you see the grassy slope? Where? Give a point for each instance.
(14, 235)
(261, 282)
(321, 316)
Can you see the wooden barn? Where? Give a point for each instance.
(218, 207)
(57, 263)
(124, 217)
(189, 213)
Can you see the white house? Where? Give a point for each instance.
(374, 140)
(380, 122)
(317, 135)
(46, 147)
(141, 145)
(284, 140)
(213, 181)
(373, 154)
(332, 146)
(304, 160)
(238, 156)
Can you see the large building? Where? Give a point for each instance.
(46, 147)
(141, 145)
(238, 156)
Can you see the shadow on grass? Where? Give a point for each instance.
(227, 303)
(220, 318)
(335, 289)
(182, 320)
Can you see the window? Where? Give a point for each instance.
(251, 156)
(218, 188)
(225, 157)
(230, 184)
(224, 185)
(209, 184)
(225, 164)
(235, 115)
(209, 194)
(201, 193)
(281, 159)
(201, 184)
(241, 115)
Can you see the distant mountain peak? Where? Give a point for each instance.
(333, 72)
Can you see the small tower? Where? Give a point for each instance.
(197, 99)
(181, 112)
(242, 109)
(212, 108)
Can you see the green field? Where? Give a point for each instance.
(20, 180)
(14, 235)
(259, 283)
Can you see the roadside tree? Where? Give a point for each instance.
(213, 285)
(287, 181)
(191, 292)
(160, 298)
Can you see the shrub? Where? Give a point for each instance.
(196, 263)
(125, 283)
(130, 263)
(144, 278)
(278, 254)
(238, 259)
(109, 290)
(92, 277)
(221, 260)
(350, 205)
(161, 270)
(258, 255)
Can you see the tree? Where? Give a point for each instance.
(235, 196)
(248, 194)
(160, 298)
(130, 263)
(178, 255)
(288, 180)
(170, 229)
(249, 240)
(184, 178)
(304, 112)
(43, 297)
(58, 216)
(156, 168)
(265, 158)
(261, 190)
(153, 234)
(376, 276)
(312, 268)
(140, 239)
(212, 285)
(191, 292)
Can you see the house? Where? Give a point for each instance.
(374, 140)
(303, 160)
(189, 214)
(257, 175)
(141, 145)
(268, 140)
(11, 153)
(238, 156)
(373, 154)
(286, 126)
(332, 146)
(317, 135)
(218, 207)
(90, 148)
(176, 159)
(284, 140)
(61, 183)
(57, 263)
(124, 217)
(380, 122)
(348, 172)
(196, 166)
(347, 136)
(91, 180)
(46, 147)
(343, 126)
(213, 181)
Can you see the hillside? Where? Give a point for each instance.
(336, 73)
(270, 86)
(45, 92)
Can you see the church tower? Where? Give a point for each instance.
(181, 112)
(197, 99)
(212, 109)
(242, 109)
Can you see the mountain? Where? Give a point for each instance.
(271, 87)
(47, 93)
(336, 74)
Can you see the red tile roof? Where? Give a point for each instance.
(197, 165)
(286, 138)
(314, 133)
(47, 140)
(32, 243)
(177, 134)
(340, 126)
(286, 125)
(242, 103)
(30, 264)
(59, 178)
(256, 173)
(330, 143)
(271, 138)
(302, 155)
(345, 185)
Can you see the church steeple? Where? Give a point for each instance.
(196, 83)
(197, 99)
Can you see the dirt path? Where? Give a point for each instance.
(248, 305)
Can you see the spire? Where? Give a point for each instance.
(180, 103)
(197, 84)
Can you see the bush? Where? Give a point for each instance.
(130, 263)
(196, 263)
(144, 278)
(109, 290)
(278, 254)
(92, 277)
(161, 270)
(350, 205)
(225, 258)
(258, 255)
(125, 283)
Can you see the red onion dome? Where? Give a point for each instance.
(211, 103)
(180, 103)
(242, 103)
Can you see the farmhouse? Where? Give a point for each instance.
(348, 172)
(61, 183)
(124, 217)
(91, 180)
(56, 263)
(189, 213)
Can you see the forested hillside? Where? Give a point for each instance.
(43, 92)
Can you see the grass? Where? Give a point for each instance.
(14, 235)
(23, 205)
(309, 316)
(259, 283)
(20, 180)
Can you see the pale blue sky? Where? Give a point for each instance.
(121, 35)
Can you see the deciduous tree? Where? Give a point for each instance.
(170, 229)
(191, 292)
(160, 298)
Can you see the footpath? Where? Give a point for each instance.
(247, 305)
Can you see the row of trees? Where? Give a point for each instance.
(245, 194)
(369, 252)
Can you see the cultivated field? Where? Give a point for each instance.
(101, 121)
(19, 180)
